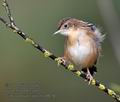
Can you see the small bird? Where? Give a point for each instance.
(82, 44)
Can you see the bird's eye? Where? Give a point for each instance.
(65, 25)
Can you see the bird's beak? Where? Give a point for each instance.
(57, 32)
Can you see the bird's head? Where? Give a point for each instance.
(65, 26)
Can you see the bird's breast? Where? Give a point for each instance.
(84, 54)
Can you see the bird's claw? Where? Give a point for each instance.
(60, 60)
(89, 78)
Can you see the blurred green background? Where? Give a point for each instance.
(24, 70)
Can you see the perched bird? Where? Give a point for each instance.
(82, 44)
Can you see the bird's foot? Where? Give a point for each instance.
(60, 60)
(89, 77)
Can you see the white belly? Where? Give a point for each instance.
(79, 52)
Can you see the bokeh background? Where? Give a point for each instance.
(26, 76)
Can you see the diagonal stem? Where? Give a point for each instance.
(46, 53)
(7, 8)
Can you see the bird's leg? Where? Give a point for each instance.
(61, 60)
(89, 76)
